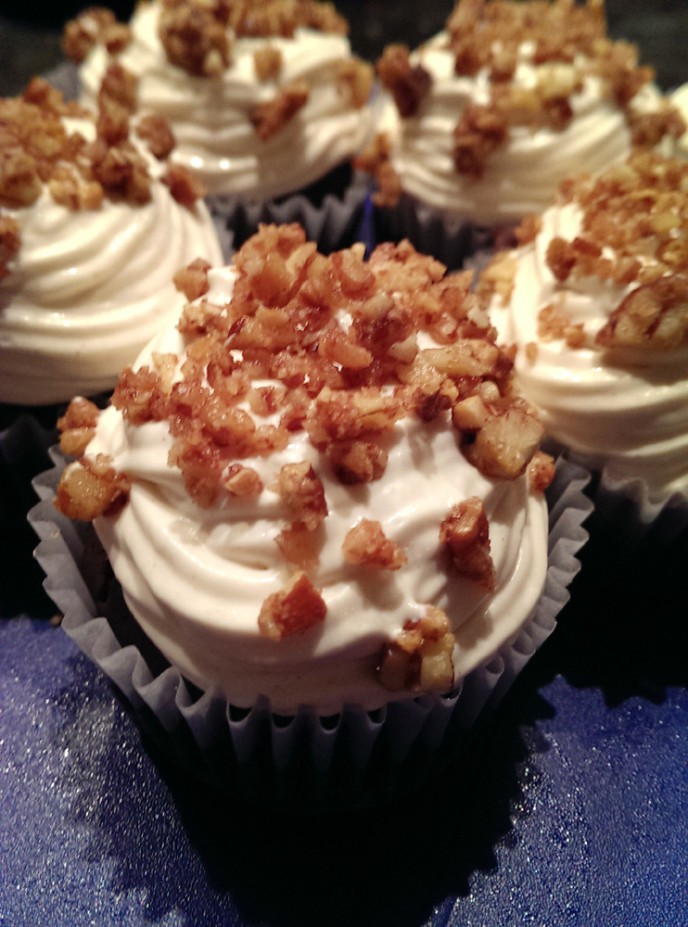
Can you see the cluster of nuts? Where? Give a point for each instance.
(569, 44)
(345, 385)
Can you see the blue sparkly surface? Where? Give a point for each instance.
(570, 811)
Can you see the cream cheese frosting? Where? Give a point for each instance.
(623, 406)
(195, 576)
(89, 287)
(211, 116)
(521, 174)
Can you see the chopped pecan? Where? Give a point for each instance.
(270, 117)
(91, 488)
(294, 610)
(419, 659)
(408, 84)
(77, 426)
(367, 545)
(465, 533)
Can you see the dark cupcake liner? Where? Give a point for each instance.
(304, 761)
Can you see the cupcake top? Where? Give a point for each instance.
(93, 224)
(596, 300)
(320, 487)
(264, 97)
(512, 97)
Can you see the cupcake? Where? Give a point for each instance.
(490, 115)
(93, 225)
(324, 505)
(265, 99)
(595, 300)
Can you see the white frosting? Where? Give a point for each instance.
(521, 176)
(195, 578)
(89, 288)
(210, 116)
(680, 100)
(627, 409)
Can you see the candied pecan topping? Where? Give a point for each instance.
(654, 315)
(10, 239)
(465, 533)
(302, 494)
(195, 37)
(192, 280)
(366, 545)
(336, 340)
(486, 37)
(375, 160)
(91, 488)
(77, 426)
(479, 132)
(93, 25)
(634, 233)
(270, 117)
(356, 461)
(267, 62)
(37, 150)
(243, 482)
(408, 84)
(284, 17)
(503, 446)
(419, 659)
(157, 133)
(540, 471)
(121, 170)
(296, 608)
(355, 80)
(184, 187)
(119, 85)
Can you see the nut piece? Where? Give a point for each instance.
(366, 545)
(77, 426)
(303, 495)
(655, 315)
(90, 488)
(10, 240)
(420, 657)
(504, 446)
(269, 118)
(408, 85)
(293, 610)
(465, 533)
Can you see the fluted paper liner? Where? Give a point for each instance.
(355, 757)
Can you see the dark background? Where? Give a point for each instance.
(29, 33)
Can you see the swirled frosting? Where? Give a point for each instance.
(196, 574)
(622, 402)
(211, 116)
(89, 287)
(554, 97)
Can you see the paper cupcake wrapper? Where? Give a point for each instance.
(334, 224)
(628, 503)
(451, 239)
(302, 761)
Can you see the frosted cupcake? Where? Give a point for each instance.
(323, 500)
(265, 99)
(93, 226)
(495, 111)
(596, 301)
